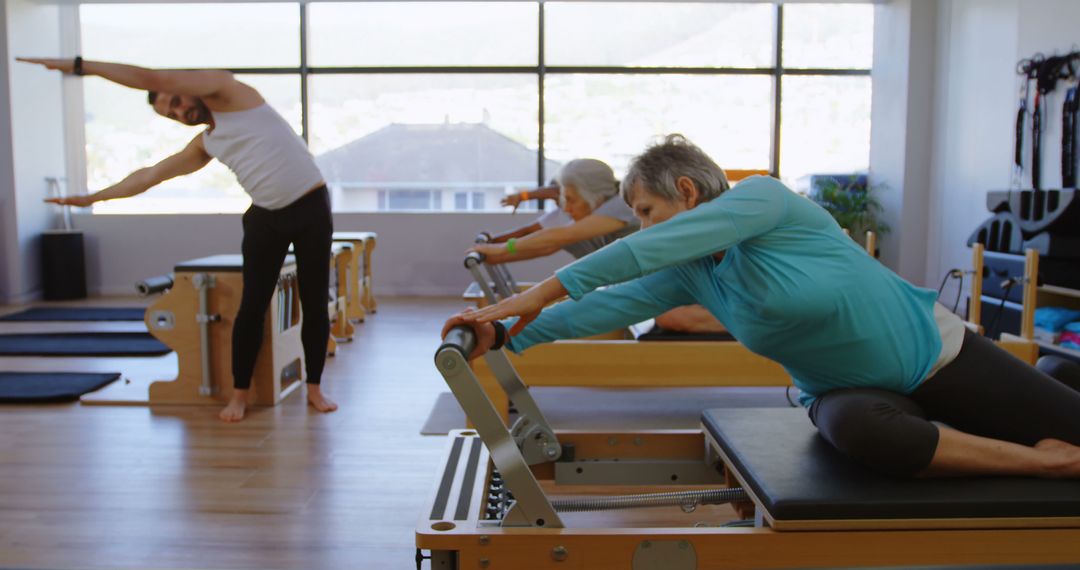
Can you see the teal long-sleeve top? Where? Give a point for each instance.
(791, 287)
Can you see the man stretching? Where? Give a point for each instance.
(290, 202)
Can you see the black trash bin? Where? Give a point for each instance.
(63, 265)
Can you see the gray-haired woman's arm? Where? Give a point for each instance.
(605, 310)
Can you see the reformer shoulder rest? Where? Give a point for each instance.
(219, 263)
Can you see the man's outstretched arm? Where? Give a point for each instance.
(192, 158)
(197, 83)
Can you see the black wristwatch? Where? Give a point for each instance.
(77, 68)
(500, 335)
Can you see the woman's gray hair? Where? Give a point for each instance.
(593, 179)
(657, 169)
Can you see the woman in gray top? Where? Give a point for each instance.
(589, 195)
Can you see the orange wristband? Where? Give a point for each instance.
(525, 195)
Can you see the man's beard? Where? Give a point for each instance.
(199, 114)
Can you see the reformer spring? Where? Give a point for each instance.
(687, 500)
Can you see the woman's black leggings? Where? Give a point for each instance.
(985, 391)
(308, 226)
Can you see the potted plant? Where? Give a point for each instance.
(852, 202)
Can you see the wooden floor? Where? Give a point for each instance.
(133, 487)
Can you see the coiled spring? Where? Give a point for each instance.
(687, 500)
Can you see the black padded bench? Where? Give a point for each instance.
(799, 482)
(658, 334)
(225, 263)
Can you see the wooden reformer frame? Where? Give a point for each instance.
(341, 328)
(359, 299)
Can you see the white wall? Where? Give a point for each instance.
(904, 49)
(9, 237)
(981, 42)
(36, 139)
(416, 254)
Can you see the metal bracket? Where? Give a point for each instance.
(162, 320)
(517, 517)
(537, 443)
(472, 263)
(531, 506)
(531, 432)
(202, 283)
(501, 285)
(665, 555)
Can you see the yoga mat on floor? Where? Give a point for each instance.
(620, 408)
(45, 314)
(82, 344)
(40, 387)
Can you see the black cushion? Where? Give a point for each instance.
(661, 334)
(215, 263)
(232, 263)
(797, 476)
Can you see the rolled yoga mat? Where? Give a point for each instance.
(82, 344)
(44, 314)
(42, 387)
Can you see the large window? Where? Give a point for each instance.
(449, 106)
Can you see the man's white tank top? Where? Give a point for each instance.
(271, 162)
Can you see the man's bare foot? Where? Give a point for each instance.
(234, 410)
(1064, 460)
(318, 400)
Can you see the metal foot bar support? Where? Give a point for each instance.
(531, 506)
(473, 261)
(203, 282)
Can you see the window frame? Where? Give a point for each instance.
(304, 71)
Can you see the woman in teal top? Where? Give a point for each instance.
(876, 359)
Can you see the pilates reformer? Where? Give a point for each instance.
(341, 328)
(194, 317)
(359, 298)
(756, 488)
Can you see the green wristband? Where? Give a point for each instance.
(510, 247)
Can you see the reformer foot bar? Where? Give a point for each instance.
(499, 284)
(504, 501)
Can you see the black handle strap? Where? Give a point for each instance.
(1036, 143)
(1068, 139)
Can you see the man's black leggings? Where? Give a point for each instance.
(985, 391)
(308, 226)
